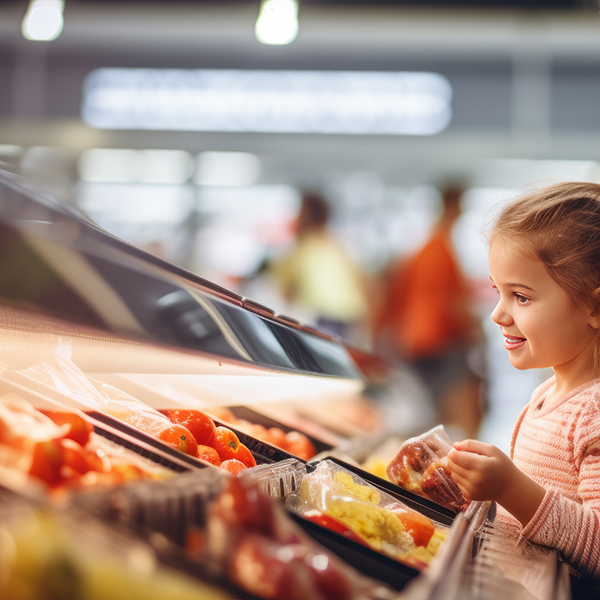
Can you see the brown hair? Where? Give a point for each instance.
(560, 225)
(314, 213)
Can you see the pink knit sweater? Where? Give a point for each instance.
(559, 447)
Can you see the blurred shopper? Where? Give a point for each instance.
(319, 279)
(426, 320)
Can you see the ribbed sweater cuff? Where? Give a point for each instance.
(536, 530)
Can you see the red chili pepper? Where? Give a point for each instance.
(334, 525)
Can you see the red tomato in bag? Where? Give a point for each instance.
(228, 445)
(208, 454)
(179, 437)
(198, 423)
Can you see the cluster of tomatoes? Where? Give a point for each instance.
(59, 448)
(294, 442)
(214, 444)
(74, 459)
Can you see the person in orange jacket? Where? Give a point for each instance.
(427, 320)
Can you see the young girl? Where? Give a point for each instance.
(544, 258)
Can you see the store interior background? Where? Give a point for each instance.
(522, 99)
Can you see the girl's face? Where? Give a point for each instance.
(541, 324)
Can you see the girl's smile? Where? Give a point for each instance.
(512, 343)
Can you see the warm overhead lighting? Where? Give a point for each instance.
(277, 22)
(229, 169)
(334, 102)
(43, 20)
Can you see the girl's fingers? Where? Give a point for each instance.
(468, 445)
(474, 446)
(460, 459)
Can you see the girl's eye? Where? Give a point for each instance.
(521, 299)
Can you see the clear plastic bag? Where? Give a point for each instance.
(58, 372)
(339, 499)
(421, 466)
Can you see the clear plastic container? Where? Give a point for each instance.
(278, 480)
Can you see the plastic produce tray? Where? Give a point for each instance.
(365, 559)
(126, 435)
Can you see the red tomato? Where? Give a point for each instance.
(233, 465)
(243, 506)
(179, 437)
(208, 454)
(276, 436)
(200, 424)
(98, 461)
(47, 461)
(228, 445)
(420, 528)
(299, 445)
(253, 429)
(80, 428)
(74, 456)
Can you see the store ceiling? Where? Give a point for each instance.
(524, 4)
(525, 78)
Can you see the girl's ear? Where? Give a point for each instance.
(595, 314)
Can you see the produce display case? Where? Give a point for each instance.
(83, 315)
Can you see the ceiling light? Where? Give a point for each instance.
(334, 102)
(43, 20)
(277, 22)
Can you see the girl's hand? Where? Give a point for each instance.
(480, 470)
(483, 472)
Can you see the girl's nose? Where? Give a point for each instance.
(499, 314)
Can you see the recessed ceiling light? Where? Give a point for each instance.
(277, 22)
(43, 20)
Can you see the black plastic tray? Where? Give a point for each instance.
(364, 559)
